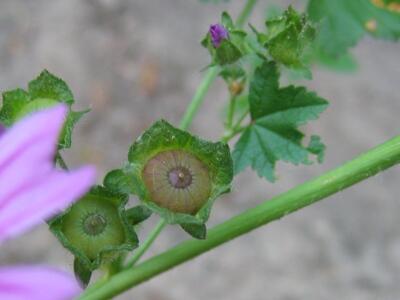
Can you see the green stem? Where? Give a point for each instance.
(241, 118)
(231, 112)
(146, 245)
(358, 169)
(198, 97)
(245, 13)
(232, 133)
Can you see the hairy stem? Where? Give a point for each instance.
(358, 169)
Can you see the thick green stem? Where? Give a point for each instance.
(146, 245)
(360, 168)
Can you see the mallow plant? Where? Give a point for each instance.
(176, 175)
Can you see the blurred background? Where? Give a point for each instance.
(133, 62)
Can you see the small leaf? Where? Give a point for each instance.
(49, 86)
(138, 214)
(82, 273)
(198, 231)
(276, 113)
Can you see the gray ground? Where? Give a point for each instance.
(136, 61)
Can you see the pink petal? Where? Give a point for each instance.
(44, 125)
(36, 283)
(30, 188)
(43, 199)
(27, 150)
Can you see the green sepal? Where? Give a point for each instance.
(138, 214)
(227, 53)
(198, 231)
(227, 21)
(112, 204)
(43, 92)
(289, 38)
(82, 273)
(117, 181)
(162, 136)
(46, 85)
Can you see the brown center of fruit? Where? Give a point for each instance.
(180, 177)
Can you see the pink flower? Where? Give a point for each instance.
(31, 190)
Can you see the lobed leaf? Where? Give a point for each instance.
(276, 115)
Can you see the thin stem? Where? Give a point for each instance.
(232, 133)
(198, 97)
(231, 112)
(366, 165)
(146, 245)
(241, 118)
(244, 15)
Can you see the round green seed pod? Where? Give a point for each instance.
(175, 174)
(178, 181)
(95, 229)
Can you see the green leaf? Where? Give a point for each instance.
(198, 231)
(138, 214)
(289, 38)
(343, 63)
(343, 23)
(49, 86)
(82, 274)
(179, 148)
(273, 134)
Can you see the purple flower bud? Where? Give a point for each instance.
(218, 33)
